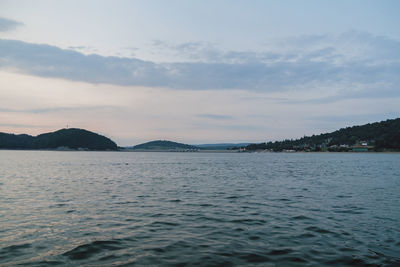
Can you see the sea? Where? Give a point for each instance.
(199, 209)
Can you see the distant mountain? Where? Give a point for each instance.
(221, 146)
(378, 136)
(164, 145)
(65, 138)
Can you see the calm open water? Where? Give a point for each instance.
(199, 209)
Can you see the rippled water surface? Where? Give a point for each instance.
(199, 209)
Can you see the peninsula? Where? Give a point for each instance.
(378, 137)
(64, 139)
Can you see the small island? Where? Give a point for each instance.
(163, 146)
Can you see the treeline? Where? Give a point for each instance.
(384, 135)
(68, 138)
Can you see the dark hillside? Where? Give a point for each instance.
(71, 138)
(384, 135)
(13, 141)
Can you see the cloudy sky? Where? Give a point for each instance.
(198, 71)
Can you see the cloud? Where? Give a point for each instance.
(353, 63)
(8, 24)
(214, 116)
(364, 118)
(79, 47)
(14, 125)
(56, 109)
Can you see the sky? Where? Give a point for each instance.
(197, 72)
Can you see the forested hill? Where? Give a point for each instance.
(378, 136)
(65, 138)
(164, 145)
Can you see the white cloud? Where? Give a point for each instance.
(344, 64)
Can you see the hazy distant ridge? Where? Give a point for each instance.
(221, 146)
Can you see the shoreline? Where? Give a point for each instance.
(205, 151)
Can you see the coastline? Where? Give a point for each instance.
(204, 151)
